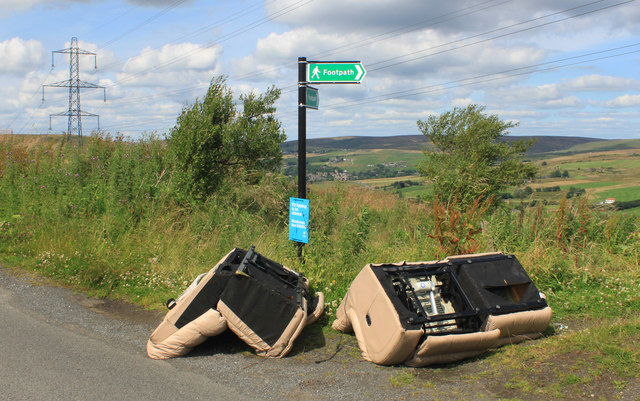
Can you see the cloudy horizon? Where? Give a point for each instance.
(564, 67)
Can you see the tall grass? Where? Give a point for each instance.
(100, 215)
(585, 259)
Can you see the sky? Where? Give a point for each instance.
(554, 67)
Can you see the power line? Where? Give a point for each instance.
(143, 23)
(453, 16)
(474, 80)
(397, 31)
(484, 78)
(368, 42)
(413, 27)
(169, 121)
(246, 28)
(479, 79)
(222, 39)
(514, 72)
(389, 34)
(495, 37)
(223, 21)
(237, 15)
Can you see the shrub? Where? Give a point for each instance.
(212, 142)
(469, 158)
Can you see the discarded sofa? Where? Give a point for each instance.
(425, 313)
(264, 303)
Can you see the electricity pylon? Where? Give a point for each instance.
(74, 84)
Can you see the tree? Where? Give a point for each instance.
(212, 141)
(528, 190)
(468, 158)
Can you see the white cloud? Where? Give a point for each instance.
(7, 7)
(562, 102)
(171, 66)
(279, 51)
(623, 101)
(174, 57)
(343, 14)
(20, 56)
(155, 3)
(417, 60)
(547, 96)
(450, 17)
(341, 123)
(520, 114)
(600, 83)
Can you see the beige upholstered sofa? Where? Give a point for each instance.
(425, 313)
(266, 304)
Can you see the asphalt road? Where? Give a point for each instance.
(57, 344)
(46, 358)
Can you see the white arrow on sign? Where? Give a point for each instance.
(360, 71)
(335, 72)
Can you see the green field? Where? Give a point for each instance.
(606, 174)
(622, 194)
(628, 163)
(590, 185)
(602, 146)
(364, 160)
(385, 182)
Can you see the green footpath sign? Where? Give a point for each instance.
(313, 100)
(335, 72)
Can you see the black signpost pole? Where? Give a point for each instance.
(321, 72)
(302, 128)
(302, 135)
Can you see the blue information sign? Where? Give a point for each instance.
(299, 220)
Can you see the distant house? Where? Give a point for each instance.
(609, 201)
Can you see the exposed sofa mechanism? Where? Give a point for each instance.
(266, 304)
(423, 313)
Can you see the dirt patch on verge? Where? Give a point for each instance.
(120, 310)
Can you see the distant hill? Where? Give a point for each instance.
(600, 146)
(401, 142)
(544, 144)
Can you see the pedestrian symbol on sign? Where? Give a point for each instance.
(316, 72)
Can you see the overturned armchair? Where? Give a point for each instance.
(424, 313)
(264, 303)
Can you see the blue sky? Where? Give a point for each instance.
(557, 67)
